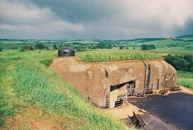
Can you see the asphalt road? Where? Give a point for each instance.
(175, 108)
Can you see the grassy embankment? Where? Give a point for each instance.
(110, 55)
(185, 79)
(32, 96)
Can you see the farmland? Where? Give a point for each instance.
(179, 45)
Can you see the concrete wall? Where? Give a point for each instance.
(93, 80)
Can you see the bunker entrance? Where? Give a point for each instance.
(120, 92)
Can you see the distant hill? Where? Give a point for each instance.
(186, 37)
(137, 40)
(141, 40)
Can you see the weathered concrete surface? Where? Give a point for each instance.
(94, 80)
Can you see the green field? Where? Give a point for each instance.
(31, 93)
(185, 79)
(179, 45)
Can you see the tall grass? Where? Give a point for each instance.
(185, 79)
(6, 94)
(111, 55)
(29, 83)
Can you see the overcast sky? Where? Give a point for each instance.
(95, 19)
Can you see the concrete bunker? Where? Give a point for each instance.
(106, 84)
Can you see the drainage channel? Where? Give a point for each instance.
(176, 108)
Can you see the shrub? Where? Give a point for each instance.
(148, 47)
(103, 45)
(39, 46)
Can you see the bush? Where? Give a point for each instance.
(103, 45)
(39, 46)
(148, 47)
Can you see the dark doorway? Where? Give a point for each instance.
(129, 84)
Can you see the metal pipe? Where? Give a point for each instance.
(145, 84)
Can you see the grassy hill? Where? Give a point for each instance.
(110, 55)
(33, 97)
(186, 37)
(182, 44)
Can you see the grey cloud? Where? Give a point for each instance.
(27, 19)
(90, 19)
(185, 30)
(81, 10)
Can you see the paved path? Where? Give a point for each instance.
(175, 108)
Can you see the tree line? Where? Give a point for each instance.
(183, 63)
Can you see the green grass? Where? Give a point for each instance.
(26, 82)
(112, 55)
(183, 74)
(185, 79)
